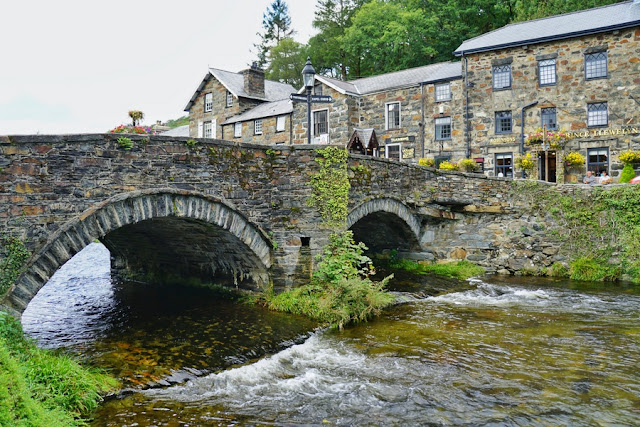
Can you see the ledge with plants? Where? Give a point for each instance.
(541, 137)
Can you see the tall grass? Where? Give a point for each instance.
(41, 388)
(455, 269)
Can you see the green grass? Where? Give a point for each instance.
(593, 270)
(41, 388)
(455, 269)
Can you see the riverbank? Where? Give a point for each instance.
(41, 388)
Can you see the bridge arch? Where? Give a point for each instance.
(132, 215)
(389, 212)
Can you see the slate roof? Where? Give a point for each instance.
(268, 109)
(590, 21)
(234, 82)
(398, 79)
(178, 131)
(365, 136)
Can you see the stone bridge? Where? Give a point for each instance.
(217, 211)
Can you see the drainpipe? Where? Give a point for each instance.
(466, 106)
(422, 112)
(522, 128)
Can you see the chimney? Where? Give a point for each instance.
(254, 81)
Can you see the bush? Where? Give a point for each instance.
(573, 158)
(125, 143)
(340, 291)
(426, 162)
(448, 166)
(627, 157)
(467, 165)
(558, 270)
(627, 173)
(593, 270)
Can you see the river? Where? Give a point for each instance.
(495, 351)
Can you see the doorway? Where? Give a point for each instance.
(547, 166)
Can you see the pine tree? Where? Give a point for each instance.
(276, 24)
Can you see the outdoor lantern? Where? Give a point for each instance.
(308, 74)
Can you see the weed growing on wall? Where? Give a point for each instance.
(597, 229)
(125, 143)
(13, 255)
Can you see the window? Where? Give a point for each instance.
(443, 128)
(207, 129)
(229, 99)
(549, 118)
(392, 151)
(237, 130)
(597, 114)
(598, 160)
(443, 92)
(504, 165)
(280, 121)
(393, 115)
(547, 72)
(503, 122)
(595, 65)
(317, 90)
(502, 76)
(320, 122)
(208, 102)
(257, 127)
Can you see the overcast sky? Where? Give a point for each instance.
(77, 66)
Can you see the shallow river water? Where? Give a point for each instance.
(488, 352)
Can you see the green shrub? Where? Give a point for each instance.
(14, 254)
(456, 269)
(467, 165)
(627, 173)
(340, 291)
(558, 270)
(593, 270)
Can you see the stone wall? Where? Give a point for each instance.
(456, 146)
(269, 133)
(569, 95)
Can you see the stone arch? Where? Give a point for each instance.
(389, 205)
(120, 211)
(384, 224)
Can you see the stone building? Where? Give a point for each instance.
(222, 97)
(578, 72)
(575, 75)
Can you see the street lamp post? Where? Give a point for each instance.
(308, 76)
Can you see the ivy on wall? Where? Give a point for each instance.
(13, 255)
(330, 186)
(596, 228)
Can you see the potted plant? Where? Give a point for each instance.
(525, 162)
(629, 158)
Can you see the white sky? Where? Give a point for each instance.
(78, 66)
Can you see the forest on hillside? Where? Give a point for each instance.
(360, 38)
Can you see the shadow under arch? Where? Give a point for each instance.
(385, 223)
(120, 220)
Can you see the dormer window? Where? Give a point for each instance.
(229, 99)
(208, 102)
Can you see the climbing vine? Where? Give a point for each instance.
(13, 255)
(330, 186)
(597, 229)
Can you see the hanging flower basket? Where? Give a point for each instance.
(555, 140)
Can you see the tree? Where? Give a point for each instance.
(332, 18)
(387, 36)
(276, 24)
(286, 60)
(529, 9)
(136, 116)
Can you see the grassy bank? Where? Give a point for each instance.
(457, 269)
(40, 388)
(341, 291)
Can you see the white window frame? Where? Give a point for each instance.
(281, 123)
(386, 150)
(257, 127)
(441, 95)
(545, 78)
(596, 116)
(208, 102)
(229, 99)
(313, 122)
(237, 129)
(441, 122)
(207, 130)
(502, 77)
(386, 115)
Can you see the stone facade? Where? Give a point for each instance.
(569, 95)
(270, 134)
